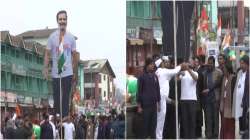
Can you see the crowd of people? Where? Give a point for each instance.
(78, 126)
(202, 88)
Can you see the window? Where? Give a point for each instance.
(104, 77)
(13, 52)
(17, 53)
(100, 78)
(89, 92)
(26, 56)
(19, 82)
(100, 90)
(3, 49)
(30, 57)
(3, 80)
(39, 60)
(87, 78)
(7, 50)
(104, 94)
(29, 82)
(16, 81)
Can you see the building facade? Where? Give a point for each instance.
(21, 73)
(144, 33)
(96, 82)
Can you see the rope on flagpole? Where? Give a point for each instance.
(175, 59)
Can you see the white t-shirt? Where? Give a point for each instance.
(69, 128)
(164, 76)
(69, 45)
(188, 86)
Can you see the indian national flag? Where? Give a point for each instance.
(227, 39)
(61, 60)
(60, 63)
(219, 27)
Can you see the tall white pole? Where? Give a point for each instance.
(61, 105)
(175, 60)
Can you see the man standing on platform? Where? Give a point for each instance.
(62, 47)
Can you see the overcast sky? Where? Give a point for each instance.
(100, 26)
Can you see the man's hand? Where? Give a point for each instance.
(139, 109)
(45, 72)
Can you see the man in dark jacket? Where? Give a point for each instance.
(245, 100)
(81, 128)
(46, 128)
(210, 98)
(148, 98)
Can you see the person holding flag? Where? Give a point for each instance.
(164, 76)
(62, 48)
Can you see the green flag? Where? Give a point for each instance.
(60, 63)
(61, 59)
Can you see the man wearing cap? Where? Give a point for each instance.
(164, 75)
(148, 98)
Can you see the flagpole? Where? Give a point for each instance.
(61, 103)
(175, 59)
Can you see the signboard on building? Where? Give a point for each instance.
(158, 35)
(213, 50)
(28, 100)
(20, 98)
(132, 32)
(36, 101)
(51, 101)
(8, 97)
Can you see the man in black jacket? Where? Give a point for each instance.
(148, 98)
(46, 128)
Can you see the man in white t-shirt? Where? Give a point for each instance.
(69, 129)
(188, 101)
